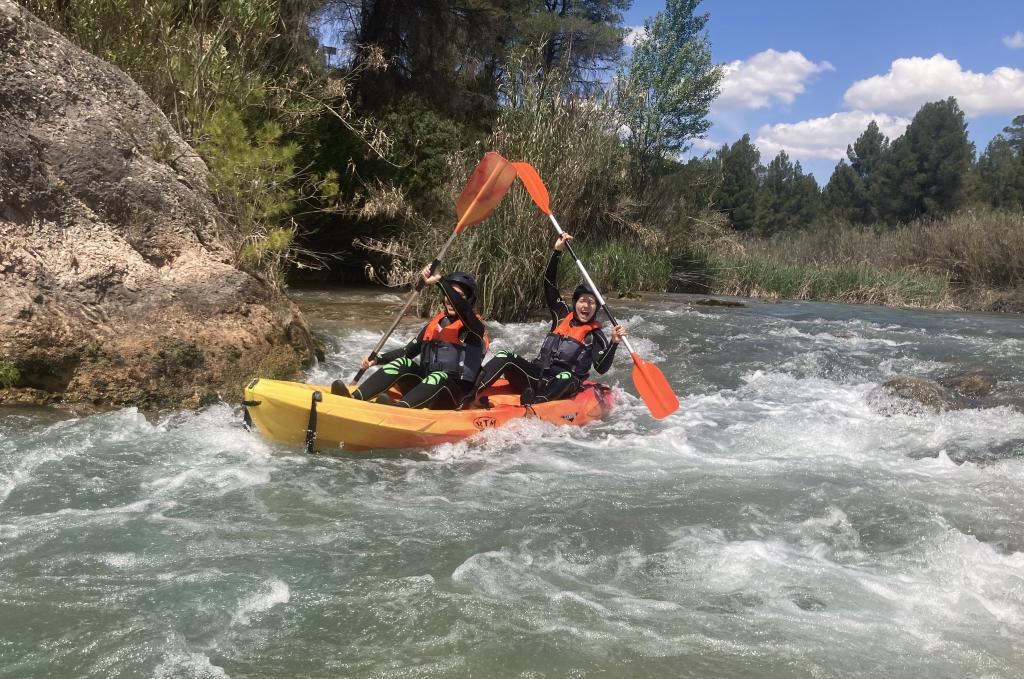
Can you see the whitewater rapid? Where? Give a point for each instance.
(790, 520)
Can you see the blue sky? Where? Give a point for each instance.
(807, 76)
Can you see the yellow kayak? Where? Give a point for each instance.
(310, 415)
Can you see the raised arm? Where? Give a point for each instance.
(559, 309)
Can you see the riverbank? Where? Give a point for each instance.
(973, 261)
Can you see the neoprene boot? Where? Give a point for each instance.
(338, 388)
(527, 398)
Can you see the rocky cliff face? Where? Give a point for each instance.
(114, 285)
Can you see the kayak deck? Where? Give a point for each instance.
(281, 411)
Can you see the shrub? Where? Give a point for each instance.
(9, 374)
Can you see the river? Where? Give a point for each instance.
(790, 520)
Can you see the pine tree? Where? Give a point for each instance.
(1014, 134)
(738, 195)
(867, 151)
(577, 35)
(789, 198)
(998, 178)
(924, 171)
(806, 205)
(844, 197)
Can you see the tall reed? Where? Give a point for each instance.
(926, 263)
(973, 247)
(573, 143)
(752, 275)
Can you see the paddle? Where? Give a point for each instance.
(649, 381)
(484, 190)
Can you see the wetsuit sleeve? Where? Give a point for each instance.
(410, 350)
(463, 309)
(559, 309)
(602, 352)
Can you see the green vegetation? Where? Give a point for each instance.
(251, 177)
(625, 268)
(350, 158)
(9, 374)
(666, 87)
(930, 263)
(751, 275)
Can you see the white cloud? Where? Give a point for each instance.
(823, 138)
(766, 76)
(705, 144)
(634, 34)
(915, 81)
(1015, 41)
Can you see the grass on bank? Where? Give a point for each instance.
(620, 268)
(935, 263)
(745, 275)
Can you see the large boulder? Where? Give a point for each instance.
(116, 284)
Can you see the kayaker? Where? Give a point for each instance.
(450, 347)
(574, 345)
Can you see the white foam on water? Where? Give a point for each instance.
(272, 593)
(218, 480)
(492, 443)
(177, 664)
(829, 338)
(203, 575)
(56, 443)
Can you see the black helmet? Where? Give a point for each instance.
(584, 289)
(465, 281)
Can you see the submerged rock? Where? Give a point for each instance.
(923, 392)
(973, 385)
(116, 286)
(719, 302)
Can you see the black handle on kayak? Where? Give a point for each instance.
(311, 425)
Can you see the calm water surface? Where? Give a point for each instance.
(790, 520)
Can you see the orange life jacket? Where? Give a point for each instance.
(444, 348)
(566, 347)
(451, 333)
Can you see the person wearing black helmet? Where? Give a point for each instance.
(450, 347)
(574, 345)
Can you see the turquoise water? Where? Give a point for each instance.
(789, 521)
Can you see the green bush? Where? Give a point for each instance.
(251, 174)
(9, 374)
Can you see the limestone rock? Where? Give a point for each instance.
(116, 286)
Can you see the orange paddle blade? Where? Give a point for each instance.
(484, 190)
(653, 388)
(534, 185)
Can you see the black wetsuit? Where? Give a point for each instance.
(557, 379)
(425, 385)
